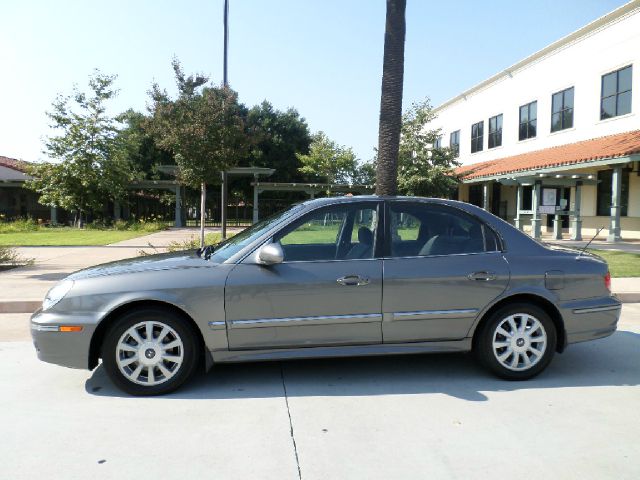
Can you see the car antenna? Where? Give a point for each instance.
(584, 249)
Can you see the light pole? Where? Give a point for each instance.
(225, 84)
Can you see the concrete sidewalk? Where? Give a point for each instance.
(22, 289)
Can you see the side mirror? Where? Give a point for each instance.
(271, 254)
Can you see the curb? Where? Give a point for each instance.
(30, 306)
(19, 306)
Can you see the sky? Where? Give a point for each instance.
(322, 57)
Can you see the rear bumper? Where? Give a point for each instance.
(591, 319)
(69, 349)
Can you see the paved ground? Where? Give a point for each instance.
(436, 416)
(22, 289)
(54, 263)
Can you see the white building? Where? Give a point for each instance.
(557, 133)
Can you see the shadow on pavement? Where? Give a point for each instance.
(614, 361)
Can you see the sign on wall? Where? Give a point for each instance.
(549, 196)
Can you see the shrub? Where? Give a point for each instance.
(194, 242)
(20, 225)
(9, 257)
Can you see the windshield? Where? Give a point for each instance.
(225, 250)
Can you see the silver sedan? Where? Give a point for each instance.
(332, 277)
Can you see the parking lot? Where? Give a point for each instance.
(436, 416)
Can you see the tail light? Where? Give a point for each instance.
(607, 281)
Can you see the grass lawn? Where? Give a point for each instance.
(67, 237)
(621, 264)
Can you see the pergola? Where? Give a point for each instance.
(237, 171)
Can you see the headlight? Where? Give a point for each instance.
(56, 294)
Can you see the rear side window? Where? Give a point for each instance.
(421, 229)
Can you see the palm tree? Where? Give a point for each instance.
(391, 99)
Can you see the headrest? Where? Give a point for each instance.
(365, 236)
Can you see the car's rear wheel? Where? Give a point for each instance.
(150, 351)
(517, 342)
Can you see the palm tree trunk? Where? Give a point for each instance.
(391, 99)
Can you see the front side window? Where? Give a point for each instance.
(528, 120)
(477, 136)
(562, 110)
(342, 232)
(419, 229)
(616, 93)
(495, 131)
(454, 143)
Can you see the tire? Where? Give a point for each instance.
(162, 364)
(501, 338)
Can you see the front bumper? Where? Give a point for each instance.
(69, 349)
(591, 319)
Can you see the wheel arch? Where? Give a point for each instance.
(533, 299)
(103, 327)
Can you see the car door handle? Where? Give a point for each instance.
(484, 276)
(353, 280)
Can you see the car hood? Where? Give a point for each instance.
(161, 261)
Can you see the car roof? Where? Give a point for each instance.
(360, 198)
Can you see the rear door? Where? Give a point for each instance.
(328, 290)
(441, 268)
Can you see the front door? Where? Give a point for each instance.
(328, 290)
(441, 269)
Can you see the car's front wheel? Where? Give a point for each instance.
(150, 351)
(517, 342)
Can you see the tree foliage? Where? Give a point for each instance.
(91, 166)
(277, 137)
(424, 170)
(203, 127)
(329, 162)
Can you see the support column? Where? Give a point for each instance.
(54, 215)
(178, 219)
(616, 193)
(535, 204)
(485, 196)
(116, 210)
(255, 198)
(223, 206)
(519, 207)
(557, 227)
(576, 222)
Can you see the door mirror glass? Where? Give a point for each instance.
(271, 254)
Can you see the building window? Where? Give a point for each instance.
(477, 136)
(604, 193)
(562, 110)
(495, 131)
(454, 143)
(616, 93)
(528, 120)
(437, 143)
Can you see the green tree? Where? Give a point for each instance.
(140, 147)
(327, 161)
(91, 166)
(203, 127)
(391, 98)
(424, 170)
(277, 137)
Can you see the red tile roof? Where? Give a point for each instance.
(612, 146)
(12, 163)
